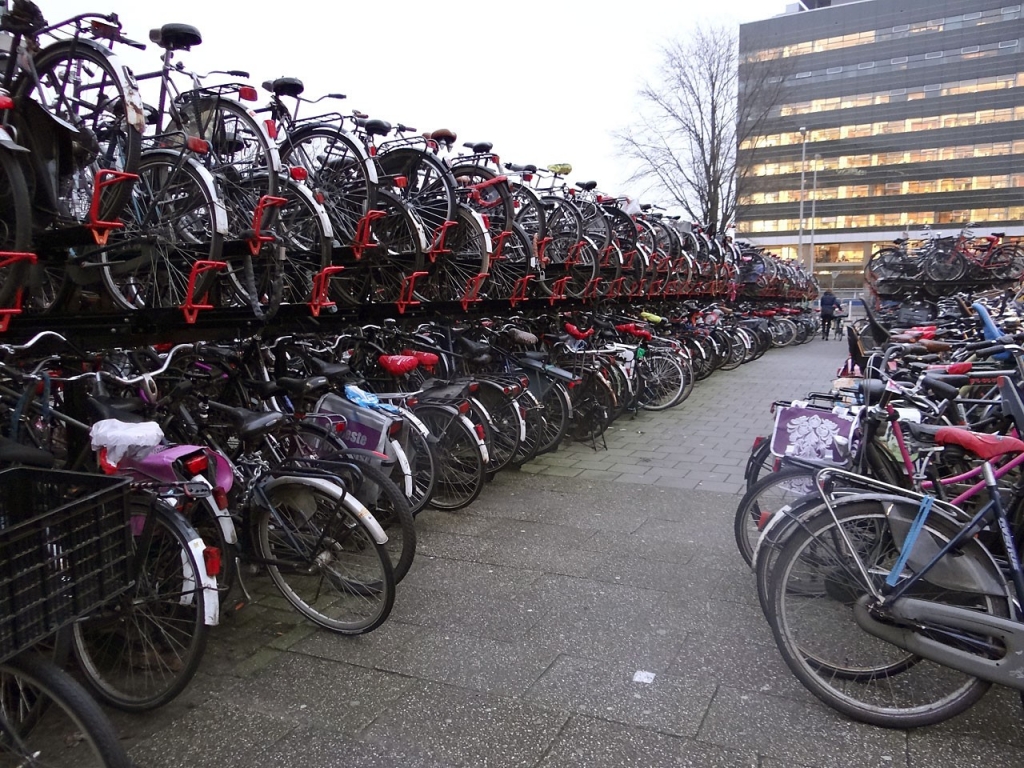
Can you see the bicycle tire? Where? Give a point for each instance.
(72, 724)
(530, 213)
(557, 410)
(15, 226)
(460, 464)
(663, 382)
(510, 265)
(856, 679)
(506, 424)
(142, 650)
(465, 256)
(174, 221)
(322, 556)
(102, 106)
(305, 231)
(429, 186)
(766, 497)
(339, 171)
(944, 266)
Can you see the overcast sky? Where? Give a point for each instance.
(545, 80)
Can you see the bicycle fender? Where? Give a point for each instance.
(8, 142)
(403, 462)
(125, 78)
(303, 191)
(220, 212)
(340, 495)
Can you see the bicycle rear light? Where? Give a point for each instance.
(401, 182)
(395, 429)
(480, 432)
(220, 496)
(298, 173)
(6, 102)
(271, 127)
(757, 442)
(197, 145)
(248, 93)
(211, 559)
(196, 463)
(464, 407)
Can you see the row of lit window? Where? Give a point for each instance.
(954, 88)
(962, 21)
(900, 63)
(849, 191)
(907, 125)
(961, 152)
(904, 219)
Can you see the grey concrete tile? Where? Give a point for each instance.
(326, 749)
(689, 481)
(199, 738)
(610, 691)
(362, 650)
(514, 532)
(500, 614)
(926, 750)
(444, 656)
(462, 522)
(594, 743)
(561, 471)
(628, 468)
(639, 544)
(461, 728)
(295, 687)
(637, 479)
(454, 575)
(448, 545)
(799, 732)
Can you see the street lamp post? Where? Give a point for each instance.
(814, 204)
(803, 167)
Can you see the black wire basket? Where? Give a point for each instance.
(64, 550)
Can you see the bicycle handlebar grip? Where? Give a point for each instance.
(940, 388)
(989, 351)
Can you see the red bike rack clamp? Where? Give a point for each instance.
(498, 245)
(541, 247)
(191, 308)
(590, 292)
(405, 299)
(7, 259)
(318, 301)
(364, 232)
(558, 289)
(438, 241)
(472, 292)
(104, 178)
(615, 288)
(255, 239)
(520, 289)
(573, 257)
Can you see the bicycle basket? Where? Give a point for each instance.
(809, 433)
(64, 550)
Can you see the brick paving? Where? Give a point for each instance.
(590, 611)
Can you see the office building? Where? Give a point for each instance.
(900, 114)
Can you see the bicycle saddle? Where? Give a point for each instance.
(443, 136)
(562, 169)
(176, 37)
(521, 168)
(587, 186)
(374, 127)
(24, 18)
(285, 86)
(250, 423)
(300, 389)
(122, 409)
(479, 147)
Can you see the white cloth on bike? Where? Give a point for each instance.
(121, 438)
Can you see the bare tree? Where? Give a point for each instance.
(692, 120)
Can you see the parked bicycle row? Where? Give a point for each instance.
(304, 459)
(191, 198)
(883, 520)
(941, 266)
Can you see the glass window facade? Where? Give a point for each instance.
(911, 113)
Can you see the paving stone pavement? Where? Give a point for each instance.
(596, 616)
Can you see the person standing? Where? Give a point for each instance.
(829, 305)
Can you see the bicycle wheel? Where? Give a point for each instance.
(85, 86)
(174, 220)
(1008, 262)
(480, 189)
(530, 445)
(737, 349)
(593, 403)
(323, 557)
(339, 170)
(944, 266)
(506, 423)
(419, 449)
(15, 225)
(72, 731)
(530, 213)
(141, 651)
(814, 589)
(305, 231)
(429, 187)
(460, 465)
(663, 382)
(466, 254)
(767, 496)
(401, 246)
(383, 497)
(557, 408)
(513, 263)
